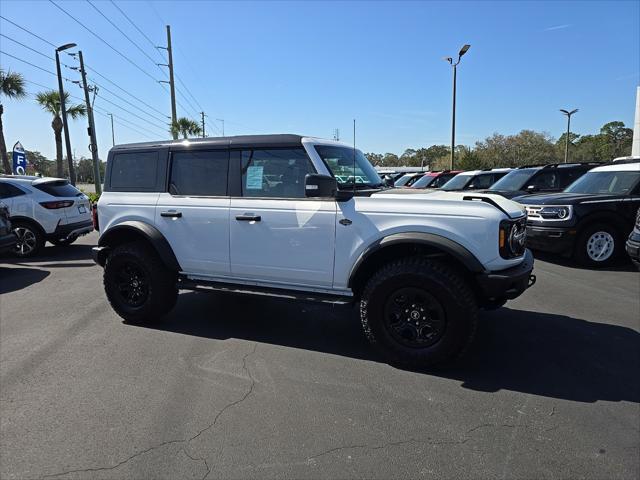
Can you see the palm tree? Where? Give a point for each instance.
(11, 86)
(50, 102)
(186, 127)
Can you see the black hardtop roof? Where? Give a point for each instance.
(272, 140)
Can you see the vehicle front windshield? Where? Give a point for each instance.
(515, 180)
(340, 160)
(403, 180)
(607, 183)
(424, 181)
(457, 183)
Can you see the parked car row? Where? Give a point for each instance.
(580, 210)
(43, 209)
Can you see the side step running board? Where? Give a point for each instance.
(200, 285)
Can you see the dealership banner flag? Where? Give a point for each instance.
(19, 159)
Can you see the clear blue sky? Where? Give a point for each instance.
(304, 67)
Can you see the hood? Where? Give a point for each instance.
(561, 198)
(512, 209)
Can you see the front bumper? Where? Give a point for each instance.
(72, 229)
(7, 242)
(551, 239)
(507, 284)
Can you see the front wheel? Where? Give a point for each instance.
(418, 312)
(138, 285)
(598, 245)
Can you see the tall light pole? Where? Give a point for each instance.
(566, 140)
(462, 51)
(63, 109)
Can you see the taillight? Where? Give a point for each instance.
(57, 204)
(94, 217)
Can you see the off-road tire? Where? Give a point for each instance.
(34, 235)
(580, 253)
(161, 291)
(63, 242)
(441, 282)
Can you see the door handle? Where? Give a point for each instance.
(248, 218)
(171, 214)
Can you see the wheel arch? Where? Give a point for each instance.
(609, 218)
(407, 244)
(30, 221)
(134, 230)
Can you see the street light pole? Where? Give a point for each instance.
(63, 110)
(566, 140)
(463, 50)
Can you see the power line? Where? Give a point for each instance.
(104, 41)
(131, 113)
(29, 63)
(135, 25)
(75, 68)
(126, 36)
(26, 46)
(29, 32)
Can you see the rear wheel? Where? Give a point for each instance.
(418, 312)
(138, 285)
(29, 239)
(598, 245)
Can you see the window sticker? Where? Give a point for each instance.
(254, 177)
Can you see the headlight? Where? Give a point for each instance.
(555, 213)
(512, 238)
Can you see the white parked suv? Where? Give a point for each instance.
(265, 214)
(42, 209)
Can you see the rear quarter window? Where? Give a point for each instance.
(135, 172)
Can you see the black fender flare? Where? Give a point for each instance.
(438, 242)
(149, 233)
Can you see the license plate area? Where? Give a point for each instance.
(82, 209)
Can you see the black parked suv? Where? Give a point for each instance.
(591, 218)
(633, 243)
(553, 177)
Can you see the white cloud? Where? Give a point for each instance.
(557, 27)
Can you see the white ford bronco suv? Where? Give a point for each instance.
(302, 217)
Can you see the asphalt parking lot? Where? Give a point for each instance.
(244, 387)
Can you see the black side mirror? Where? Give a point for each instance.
(316, 185)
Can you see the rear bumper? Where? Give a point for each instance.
(72, 229)
(509, 283)
(551, 239)
(7, 242)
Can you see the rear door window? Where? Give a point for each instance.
(482, 181)
(134, 172)
(570, 175)
(199, 173)
(278, 173)
(8, 191)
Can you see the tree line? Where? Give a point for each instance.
(525, 148)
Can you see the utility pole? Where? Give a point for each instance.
(222, 121)
(113, 135)
(63, 109)
(336, 135)
(171, 83)
(93, 145)
(203, 131)
(566, 140)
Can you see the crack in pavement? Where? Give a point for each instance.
(170, 442)
(429, 441)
